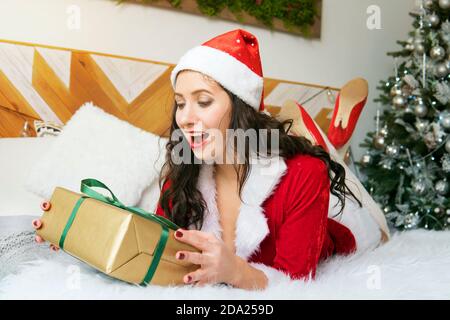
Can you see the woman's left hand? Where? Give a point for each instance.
(217, 263)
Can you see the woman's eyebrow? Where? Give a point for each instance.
(194, 92)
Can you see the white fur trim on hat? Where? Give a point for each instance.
(225, 69)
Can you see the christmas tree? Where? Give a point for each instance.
(406, 167)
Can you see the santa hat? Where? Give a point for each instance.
(233, 60)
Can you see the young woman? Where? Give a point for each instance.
(253, 221)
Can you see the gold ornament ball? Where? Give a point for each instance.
(428, 4)
(379, 142)
(419, 48)
(366, 159)
(395, 91)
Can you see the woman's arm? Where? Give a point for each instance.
(248, 277)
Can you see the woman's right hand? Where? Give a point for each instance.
(37, 224)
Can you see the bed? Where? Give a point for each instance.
(411, 265)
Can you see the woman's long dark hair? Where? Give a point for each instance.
(188, 205)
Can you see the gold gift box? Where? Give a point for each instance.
(113, 240)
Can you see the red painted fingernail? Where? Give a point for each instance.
(178, 234)
(181, 256)
(37, 223)
(46, 205)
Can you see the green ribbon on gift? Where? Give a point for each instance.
(166, 224)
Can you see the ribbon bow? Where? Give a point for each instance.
(166, 224)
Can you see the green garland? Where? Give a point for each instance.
(295, 14)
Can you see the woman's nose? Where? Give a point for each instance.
(187, 116)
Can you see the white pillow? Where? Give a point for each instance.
(95, 144)
(150, 197)
(17, 156)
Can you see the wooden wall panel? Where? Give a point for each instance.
(50, 83)
(52, 89)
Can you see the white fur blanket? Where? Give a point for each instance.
(413, 265)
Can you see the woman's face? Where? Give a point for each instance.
(203, 114)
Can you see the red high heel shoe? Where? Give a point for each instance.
(349, 104)
(303, 124)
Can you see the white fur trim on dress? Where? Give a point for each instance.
(251, 224)
(225, 69)
(274, 276)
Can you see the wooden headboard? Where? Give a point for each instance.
(39, 82)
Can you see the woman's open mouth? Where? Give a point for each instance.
(198, 140)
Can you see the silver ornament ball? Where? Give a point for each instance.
(438, 211)
(447, 146)
(442, 187)
(411, 221)
(444, 4)
(444, 120)
(446, 163)
(366, 160)
(434, 19)
(393, 151)
(419, 187)
(437, 53)
(420, 109)
(399, 101)
(441, 70)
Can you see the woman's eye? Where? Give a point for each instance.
(204, 103)
(179, 105)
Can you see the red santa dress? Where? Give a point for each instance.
(283, 226)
